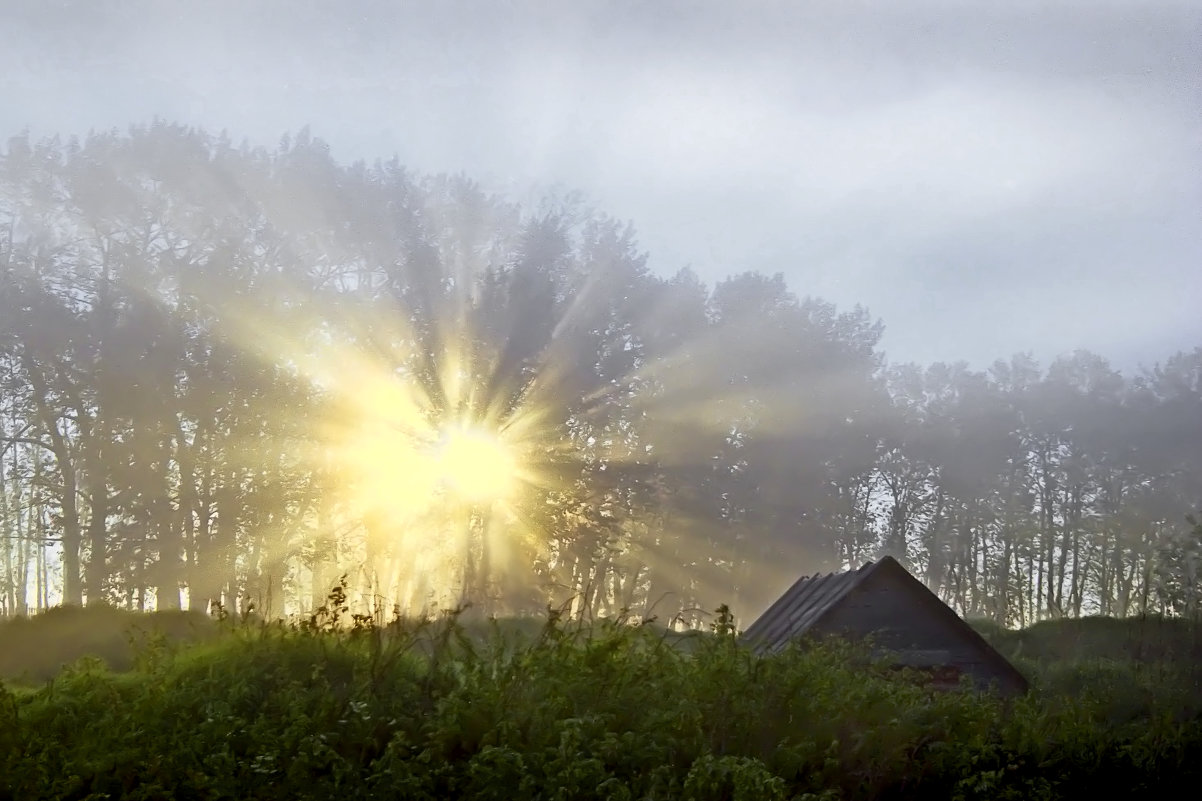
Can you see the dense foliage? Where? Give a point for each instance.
(559, 710)
(161, 445)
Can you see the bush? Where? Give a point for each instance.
(436, 709)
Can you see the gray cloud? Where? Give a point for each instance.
(985, 177)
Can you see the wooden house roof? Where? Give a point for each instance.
(804, 606)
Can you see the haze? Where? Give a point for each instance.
(985, 178)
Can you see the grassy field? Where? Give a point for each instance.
(177, 706)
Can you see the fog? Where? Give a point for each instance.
(646, 307)
(986, 179)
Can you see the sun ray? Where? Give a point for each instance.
(447, 450)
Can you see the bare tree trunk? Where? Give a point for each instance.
(1105, 576)
(71, 527)
(32, 540)
(631, 585)
(226, 546)
(1070, 508)
(1126, 582)
(96, 573)
(164, 573)
(974, 589)
(1010, 593)
(206, 578)
(10, 528)
(185, 522)
(1077, 585)
(41, 580)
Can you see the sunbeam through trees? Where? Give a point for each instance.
(232, 375)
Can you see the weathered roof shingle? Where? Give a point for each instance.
(803, 605)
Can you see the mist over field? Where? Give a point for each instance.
(492, 400)
(232, 375)
(621, 306)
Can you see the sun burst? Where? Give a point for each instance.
(446, 461)
(476, 464)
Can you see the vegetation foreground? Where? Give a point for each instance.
(558, 710)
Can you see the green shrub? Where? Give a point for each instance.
(731, 778)
(441, 709)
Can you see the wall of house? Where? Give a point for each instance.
(901, 620)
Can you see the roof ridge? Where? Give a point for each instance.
(806, 601)
(809, 599)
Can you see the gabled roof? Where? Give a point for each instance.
(803, 605)
(811, 598)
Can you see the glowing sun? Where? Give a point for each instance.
(475, 464)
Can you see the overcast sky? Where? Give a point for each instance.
(985, 177)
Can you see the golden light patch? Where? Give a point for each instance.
(475, 464)
(440, 473)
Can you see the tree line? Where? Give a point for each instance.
(193, 333)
